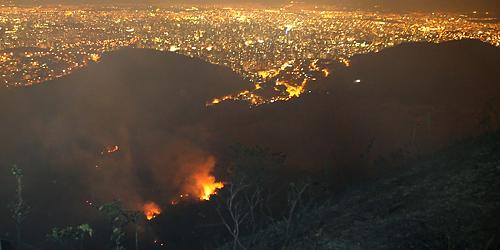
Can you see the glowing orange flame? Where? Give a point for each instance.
(202, 184)
(151, 210)
(209, 187)
(206, 185)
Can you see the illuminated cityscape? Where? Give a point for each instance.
(282, 47)
(259, 125)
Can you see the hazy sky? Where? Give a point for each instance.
(428, 5)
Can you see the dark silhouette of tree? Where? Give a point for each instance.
(295, 198)
(237, 212)
(121, 218)
(19, 208)
(67, 238)
(242, 205)
(135, 218)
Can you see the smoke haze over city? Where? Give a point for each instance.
(342, 124)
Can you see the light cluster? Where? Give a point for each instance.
(287, 47)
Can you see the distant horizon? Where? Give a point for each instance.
(378, 5)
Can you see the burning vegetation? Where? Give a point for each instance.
(202, 184)
(151, 210)
(208, 186)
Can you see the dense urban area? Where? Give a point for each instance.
(286, 47)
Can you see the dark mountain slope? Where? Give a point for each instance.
(146, 102)
(457, 72)
(136, 89)
(413, 98)
(449, 200)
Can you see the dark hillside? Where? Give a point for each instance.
(135, 127)
(449, 200)
(144, 101)
(414, 98)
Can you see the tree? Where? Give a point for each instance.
(237, 214)
(67, 238)
(242, 204)
(19, 208)
(115, 212)
(295, 197)
(121, 218)
(135, 218)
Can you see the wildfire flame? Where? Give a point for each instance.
(151, 210)
(209, 187)
(202, 184)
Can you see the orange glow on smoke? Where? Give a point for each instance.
(151, 210)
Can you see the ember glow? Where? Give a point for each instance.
(111, 149)
(151, 210)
